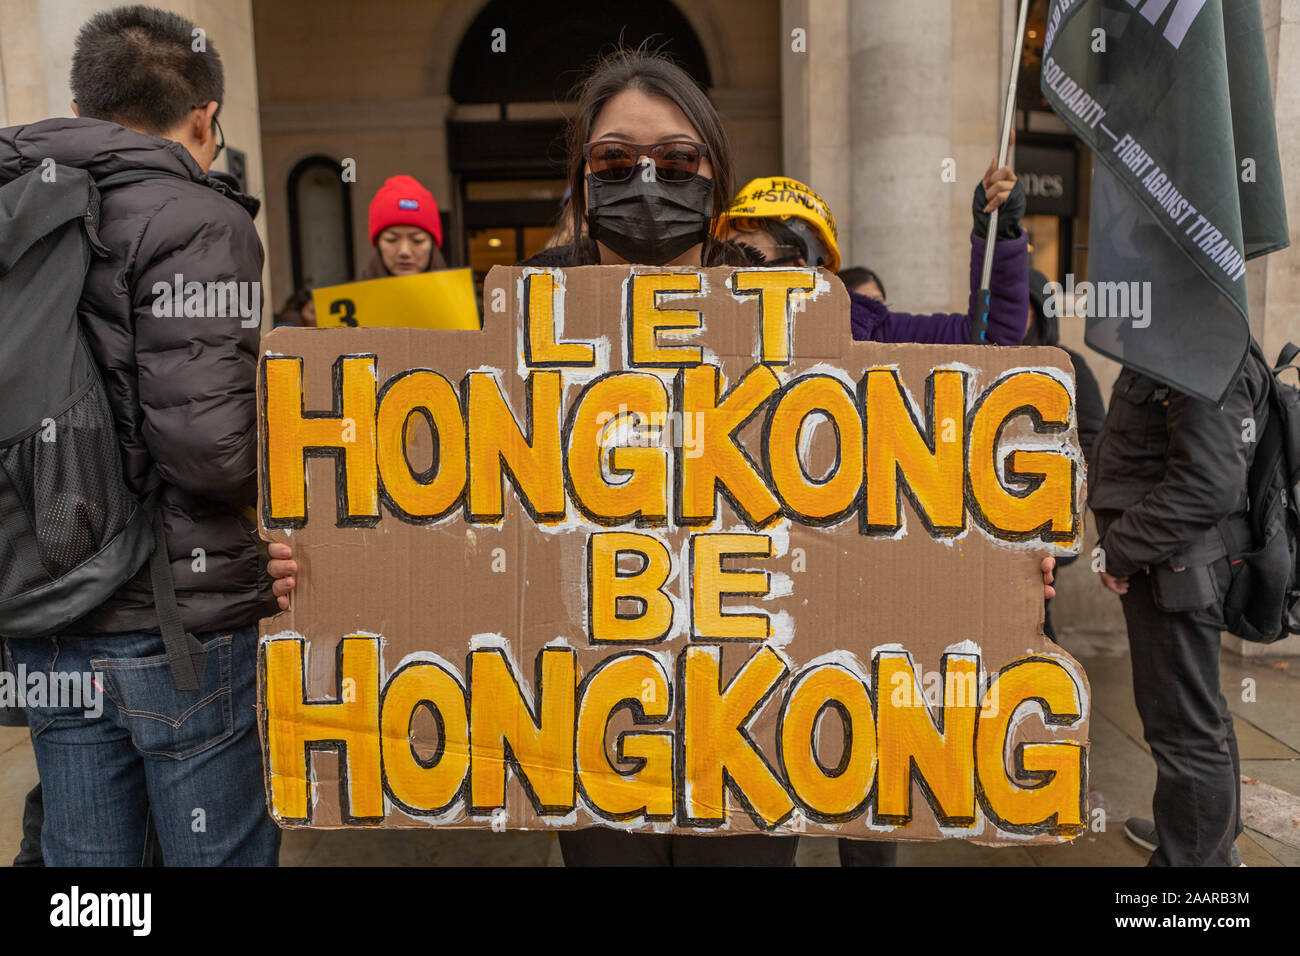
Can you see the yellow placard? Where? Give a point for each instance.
(442, 299)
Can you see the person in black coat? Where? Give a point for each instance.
(178, 360)
(1169, 489)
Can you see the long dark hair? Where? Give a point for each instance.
(653, 73)
(855, 276)
(375, 268)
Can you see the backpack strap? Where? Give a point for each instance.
(1286, 356)
(185, 655)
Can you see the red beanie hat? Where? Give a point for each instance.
(402, 201)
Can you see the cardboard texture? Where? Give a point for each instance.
(686, 558)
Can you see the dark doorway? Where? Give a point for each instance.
(509, 173)
(500, 60)
(320, 223)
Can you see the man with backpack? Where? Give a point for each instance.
(157, 444)
(1169, 488)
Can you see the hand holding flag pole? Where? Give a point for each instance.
(979, 327)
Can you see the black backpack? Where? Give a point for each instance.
(71, 531)
(1263, 600)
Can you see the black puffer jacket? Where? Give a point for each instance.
(182, 388)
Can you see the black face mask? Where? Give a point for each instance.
(649, 223)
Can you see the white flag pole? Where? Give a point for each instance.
(979, 328)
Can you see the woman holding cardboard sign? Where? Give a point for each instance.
(649, 155)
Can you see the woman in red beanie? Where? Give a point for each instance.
(404, 229)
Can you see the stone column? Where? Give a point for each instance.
(23, 54)
(900, 94)
(816, 86)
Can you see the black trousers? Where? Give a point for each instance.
(29, 851)
(1185, 720)
(868, 852)
(601, 846)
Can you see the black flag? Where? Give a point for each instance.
(1173, 98)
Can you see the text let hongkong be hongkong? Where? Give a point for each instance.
(558, 454)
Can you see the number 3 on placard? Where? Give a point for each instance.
(349, 310)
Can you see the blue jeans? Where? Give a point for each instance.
(190, 759)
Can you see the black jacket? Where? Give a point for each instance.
(182, 389)
(1168, 468)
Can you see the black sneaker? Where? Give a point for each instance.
(1143, 833)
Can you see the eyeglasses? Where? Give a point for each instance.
(216, 127)
(221, 138)
(615, 162)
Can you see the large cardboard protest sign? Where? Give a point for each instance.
(666, 550)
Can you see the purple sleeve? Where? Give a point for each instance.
(1009, 285)
(1008, 307)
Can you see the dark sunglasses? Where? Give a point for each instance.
(615, 162)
